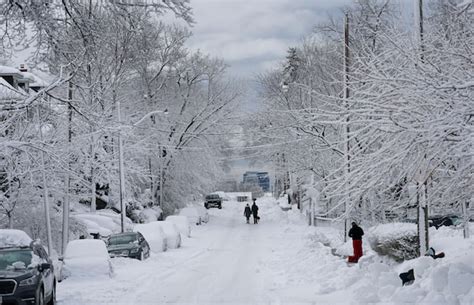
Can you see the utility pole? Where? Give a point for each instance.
(45, 187)
(423, 236)
(347, 129)
(121, 169)
(68, 175)
(161, 176)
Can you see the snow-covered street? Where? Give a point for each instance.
(224, 262)
(278, 261)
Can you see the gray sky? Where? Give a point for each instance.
(253, 35)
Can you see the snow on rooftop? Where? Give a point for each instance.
(9, 70)
(7, 92)
(11, 237)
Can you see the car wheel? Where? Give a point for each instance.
(220, 207)
(206, 206)
(40, 297)
(52, 301)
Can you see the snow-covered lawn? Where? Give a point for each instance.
(278, 261)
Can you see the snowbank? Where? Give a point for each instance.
(375, 280)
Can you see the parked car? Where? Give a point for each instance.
(26, 271)
(182, 223)
(193, 215)
(438, 221)
(213, 200)
(154, 235)
(173, 237)
(86, 258)
(128, 244)
(203, 213)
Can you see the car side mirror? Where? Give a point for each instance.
(44, 266)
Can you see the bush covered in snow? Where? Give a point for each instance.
(396, 240)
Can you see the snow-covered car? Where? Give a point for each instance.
(193, 215)
(102, 223)
(86, 258)
(182, 223)
(26, 271)
(203, 213)
(173, 237)
(128, 244)
(154, 235)
(438, 221)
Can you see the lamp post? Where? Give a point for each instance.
(121, 165)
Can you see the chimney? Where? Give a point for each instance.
(23, 68)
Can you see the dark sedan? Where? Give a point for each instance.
(26, 276)
(129, 244)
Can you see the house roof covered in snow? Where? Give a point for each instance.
(8, 93)
(5, 70)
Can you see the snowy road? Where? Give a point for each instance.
(279, 261)
(224, 262)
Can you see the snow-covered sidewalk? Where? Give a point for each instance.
(279, 261)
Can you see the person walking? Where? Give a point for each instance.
(255, 211)
(356, 234)
(247, 212)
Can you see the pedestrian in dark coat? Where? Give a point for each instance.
(356, 233)
(255, 212)
(247, 212)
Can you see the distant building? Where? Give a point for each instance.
(262, 179)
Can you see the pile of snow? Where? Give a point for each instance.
(283, 203)
(172, 235)
(396, 240)
(375, 279)
(272, 212)
(182, 223)
(86, 258)
(153, 234)
(15, 238)
(103, 222)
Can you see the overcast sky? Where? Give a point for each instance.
(253, 35)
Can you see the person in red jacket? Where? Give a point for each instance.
(356, 233)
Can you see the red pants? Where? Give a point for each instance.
(357, 245)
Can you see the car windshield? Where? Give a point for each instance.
(11, 259)
(122, 239)
(212, 196)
